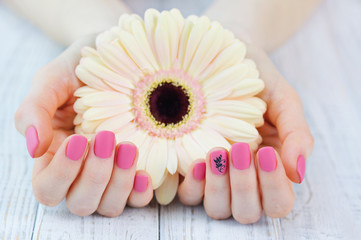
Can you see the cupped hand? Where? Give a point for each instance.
(242, 183)
(93, 175)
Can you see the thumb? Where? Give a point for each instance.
(286, 113)
(50, 89)
(33, 119)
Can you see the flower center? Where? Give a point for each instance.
(169, 103)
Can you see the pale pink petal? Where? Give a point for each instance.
(232, 128)
(83, 91)
(236, 109)
(89, 79)
(157, 161)
(231, 55)
(210, 45)
(184, 159)
(89, 126)
(134, 50)
(116, 122)
(116, 58)
(105, 98)
(199, 29)
(168, 190)
(172, 163)
(97, 113)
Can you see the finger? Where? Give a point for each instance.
(217, 195)
(276, 189)
(142, 192)
(246, 203)
(51, 88)
(285, 111)
(191, 190)
(84, 195)
(121, 183)
(53, 174)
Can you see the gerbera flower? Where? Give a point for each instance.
(175, 87)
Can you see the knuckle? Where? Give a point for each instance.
(218, 215)
(44, 197)
(215, 189)
(247, 219)
(190, 198)
(279, 209)
(110, 212)
(97, 177)
(62, 176)
(81, 210)
(126, 184)
(243, 187)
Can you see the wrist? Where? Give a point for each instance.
(216, 13)
(89, 19)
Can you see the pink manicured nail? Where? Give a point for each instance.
(126, 155)
(199, 171)
(241, 156)
(104, 144)
(301, 167)
(219, 162)
(267, 159)
(32, 140)
(76, 147)
(140, 183)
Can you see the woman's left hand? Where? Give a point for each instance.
(242, 183)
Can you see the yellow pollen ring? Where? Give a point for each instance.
(158, 83)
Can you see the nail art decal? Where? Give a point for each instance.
(219, 161)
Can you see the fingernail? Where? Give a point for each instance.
(199, 171)
(32, 140)
(301, 167)
(267, 159)
(76, 147)
(104, 144)
(241, 156)
(219, 162)
(140, 183)
(126, 155)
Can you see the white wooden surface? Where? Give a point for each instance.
(322, 61)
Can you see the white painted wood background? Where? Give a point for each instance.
(322, 61)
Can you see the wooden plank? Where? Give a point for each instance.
(181, 222)
(23, 51)
(318, 62)
(322, 62)
(134, 223)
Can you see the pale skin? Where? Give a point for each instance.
(98, 185)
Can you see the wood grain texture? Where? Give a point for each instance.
(322, 61)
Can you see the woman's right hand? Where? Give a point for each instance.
(93, 175)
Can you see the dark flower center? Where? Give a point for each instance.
(168, 103)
